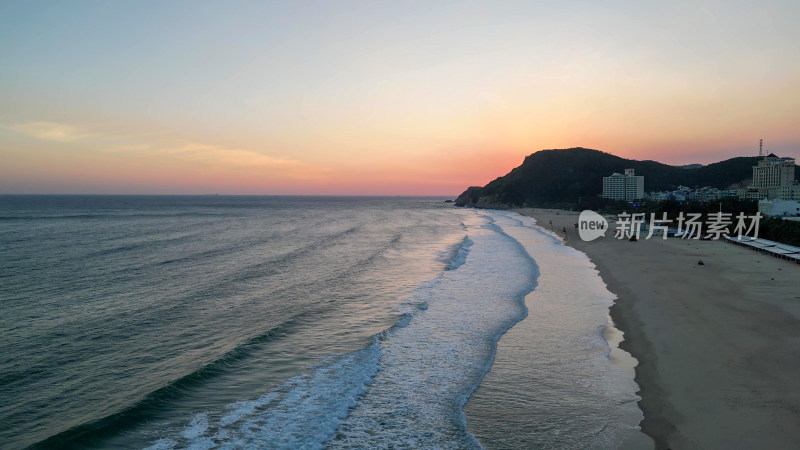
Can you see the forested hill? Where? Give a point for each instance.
(561, 177)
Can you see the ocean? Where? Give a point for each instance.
(300, 322)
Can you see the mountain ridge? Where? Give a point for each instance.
(564, 177)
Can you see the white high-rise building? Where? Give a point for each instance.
(627, 187)
(773, 178)
(773, 172)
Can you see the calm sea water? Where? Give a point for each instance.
(286, 322)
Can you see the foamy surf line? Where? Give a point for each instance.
(553, 378)
(610, 333)
(409, 386)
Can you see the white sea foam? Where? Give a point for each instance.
(197, 427)
(431, 366)
(240, 410)
(459, 256)
(406, 389)
(553, 379)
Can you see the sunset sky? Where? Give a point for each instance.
(373, 97)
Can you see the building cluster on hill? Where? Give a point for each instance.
(774, 186)
(683, 194)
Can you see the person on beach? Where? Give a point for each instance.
(564, 230)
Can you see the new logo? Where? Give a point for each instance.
(591, 225)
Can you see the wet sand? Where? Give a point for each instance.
(718, 344)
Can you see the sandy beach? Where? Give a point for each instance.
(718, 344)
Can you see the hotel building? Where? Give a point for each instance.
(627, 187)
(773, 178)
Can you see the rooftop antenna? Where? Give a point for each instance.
(760, 148)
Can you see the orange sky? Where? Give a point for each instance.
(376, 98)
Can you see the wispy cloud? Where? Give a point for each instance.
(160, 148)
(50, 131)
(242, 159)
(127, 148)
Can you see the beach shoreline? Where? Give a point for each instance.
(716, 344)
(555, 382)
